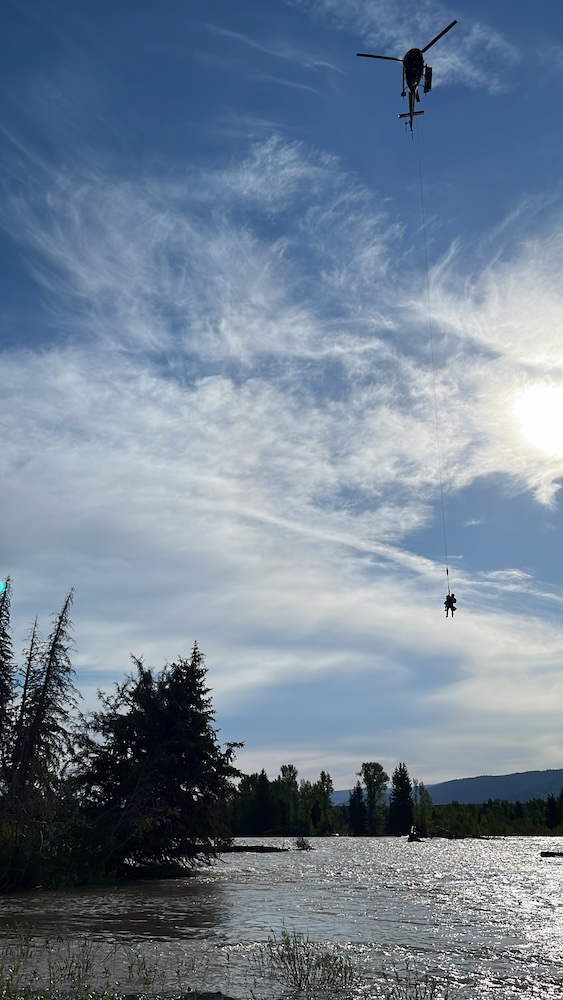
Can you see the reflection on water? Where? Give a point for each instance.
(158, 911)
(486, 915)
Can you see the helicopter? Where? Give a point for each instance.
(414, 68)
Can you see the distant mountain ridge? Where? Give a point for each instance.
(519, 787)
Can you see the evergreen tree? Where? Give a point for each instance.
(357, 812)
(308, 810)
(243, 806)
(256, 808)
(31, 678)
(36, 807)
(551, 812)
(264, 814)
(6, 673)
(401, 803)
(287, 793)
(156, 780)
(42, 731)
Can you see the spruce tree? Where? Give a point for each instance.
(401, 808)
(36, 808)
(357, 812)
(48, 694)
(6, 673)
(156, 780)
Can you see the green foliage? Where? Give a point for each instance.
(497, 817)
(35, 968)
(357, 812)
(42, 738)
(552, 814)
(283, 807)
(422, 808)
(154, 780)
(288, 807)
(322, 796)
(286, 794)
(401, 806)
(254, 808)
(306, 967)
(34, 806)
(375, 780)
(143, 782)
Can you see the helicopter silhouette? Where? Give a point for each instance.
(414, 68)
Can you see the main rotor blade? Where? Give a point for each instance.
(434, 40)
(368, 55)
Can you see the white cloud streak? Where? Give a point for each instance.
(232, 433)
(477, 54)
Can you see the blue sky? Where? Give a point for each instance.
(219, 409)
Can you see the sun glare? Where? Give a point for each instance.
(539, 411)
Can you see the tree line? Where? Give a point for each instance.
(142, 784)
(288, 807)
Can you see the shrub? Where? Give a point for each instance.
(312, 969)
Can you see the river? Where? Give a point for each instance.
(484, 916)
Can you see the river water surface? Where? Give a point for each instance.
(485, 916)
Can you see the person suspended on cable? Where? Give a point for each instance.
(450, 604)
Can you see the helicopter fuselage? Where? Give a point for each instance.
(413, 66)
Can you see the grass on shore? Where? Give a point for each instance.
(308, 970)
(33, 968)
(305, 967)
(288, 965)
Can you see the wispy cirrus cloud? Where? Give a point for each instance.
(286, 51)
(150, 270)
(478, 55)
(232, 429)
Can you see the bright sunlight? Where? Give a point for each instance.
(539, 410)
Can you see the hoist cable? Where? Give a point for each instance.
(437, 423)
